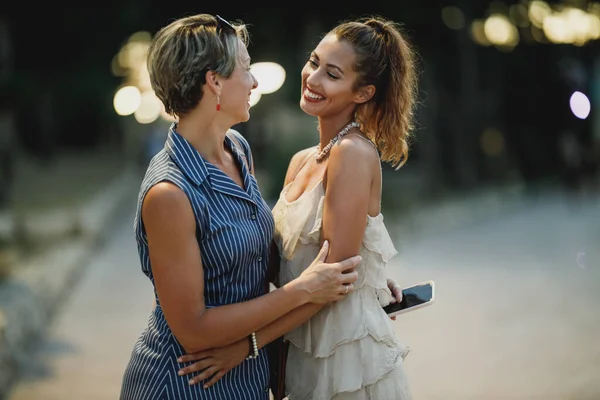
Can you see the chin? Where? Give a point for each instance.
(306, 108)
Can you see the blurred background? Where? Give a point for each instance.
(498, 203)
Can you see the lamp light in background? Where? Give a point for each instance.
(149, 109)
(518, 14)
(127, 100)
(478, 33)
(537, 21)
(453, 17)
(538, 11)
(255, 96)
(500, 31)
(580, 105)
(270, 76)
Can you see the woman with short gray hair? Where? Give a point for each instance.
(203, 230)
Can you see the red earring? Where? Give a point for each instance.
(218, 104)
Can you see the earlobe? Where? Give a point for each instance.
(365, 94)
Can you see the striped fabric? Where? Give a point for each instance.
(234, 230)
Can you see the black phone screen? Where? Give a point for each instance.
(411, 297)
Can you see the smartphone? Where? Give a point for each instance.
(413, 298)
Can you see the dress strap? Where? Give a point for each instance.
(369, 141)
(302, 164)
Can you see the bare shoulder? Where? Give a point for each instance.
(165, 199)
(355, 150)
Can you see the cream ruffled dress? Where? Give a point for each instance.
(347, 351)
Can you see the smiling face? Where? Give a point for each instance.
(235, 94)
(328, 80)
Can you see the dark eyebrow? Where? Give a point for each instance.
(313, 54)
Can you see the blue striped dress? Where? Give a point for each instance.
(234, 230)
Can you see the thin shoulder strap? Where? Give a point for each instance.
(368, 140)
(237, 144)
(374, 146)
(302, 164)
(365, 139)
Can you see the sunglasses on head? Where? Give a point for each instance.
(224, 26)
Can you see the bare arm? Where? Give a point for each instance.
(344, 176)
(349, 179)
(178, 274)
(347, 193)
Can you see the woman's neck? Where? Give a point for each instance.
(205, 134)
(330, 127)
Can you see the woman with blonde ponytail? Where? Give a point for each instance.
(360, 82)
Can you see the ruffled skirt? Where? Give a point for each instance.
(347, 351)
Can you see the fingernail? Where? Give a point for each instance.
(358, 258)
(191, 381)
(180, 372)
(179, 360)
(205, 386)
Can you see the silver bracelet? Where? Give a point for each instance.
(254, 347)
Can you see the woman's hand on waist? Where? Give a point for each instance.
(213, 364)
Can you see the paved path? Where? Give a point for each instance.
(516, 315)
(91, 341)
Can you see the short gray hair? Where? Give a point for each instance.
(182, 52)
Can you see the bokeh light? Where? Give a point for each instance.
(150, 108)
(255, 96)
(453, 17)
(580, 105)
(127, 100)
(270, 76)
